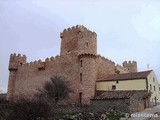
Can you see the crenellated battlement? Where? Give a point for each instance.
(16, 56)
(106, 59)
(15, 60)
(76, 29)
(87, 55)
(78, 39)
(129, 62)
(120, 69)
(35, 63)
(130, 65)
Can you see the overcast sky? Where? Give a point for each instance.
(126, 29)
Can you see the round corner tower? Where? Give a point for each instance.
(82, 42)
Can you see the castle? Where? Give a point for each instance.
(78, 62)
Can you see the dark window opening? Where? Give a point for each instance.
(68, 50)
(20, 62)
(154, 88)
(86, 44)
(80, 98)
(113, 87)
(117, 81)
(81, 63)
(153, 79)
(150, 87)
(80, 76)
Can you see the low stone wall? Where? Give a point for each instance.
(121, 105)
(69, 108)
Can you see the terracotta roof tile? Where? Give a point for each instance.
(126, 76)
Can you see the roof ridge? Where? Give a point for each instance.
(125, 76)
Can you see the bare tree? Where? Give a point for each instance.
(57, 89)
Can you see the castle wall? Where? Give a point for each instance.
(119, 69)
(78, 46)
(104, 67)
(29, 78)
(130, 65)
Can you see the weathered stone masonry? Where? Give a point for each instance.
(78, 62)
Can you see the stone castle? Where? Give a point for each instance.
(78, 62)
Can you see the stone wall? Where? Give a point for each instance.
(104, 67)
(122, 105)
(131, 66)
(124, 101)
(87, 83)
(78, 44)
(120, 69)
(29, 78)
(138, 104)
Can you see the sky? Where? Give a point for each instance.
(126, 30)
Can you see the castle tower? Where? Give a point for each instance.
(78, 40)
(15, 61)
(87, 52)
(131, 66)
(82, 42)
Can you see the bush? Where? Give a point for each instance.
(26, 109)
(56, 89)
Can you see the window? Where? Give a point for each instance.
(20, 62)
(87, 44)
(80, 76)
(81, 63)
(117, 81)
(113, 87)
(150, 87)
(153, 79)
(154, 88)
(80, 98)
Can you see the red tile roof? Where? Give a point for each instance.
(126, 76)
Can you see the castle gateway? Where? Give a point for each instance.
(78, 62)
